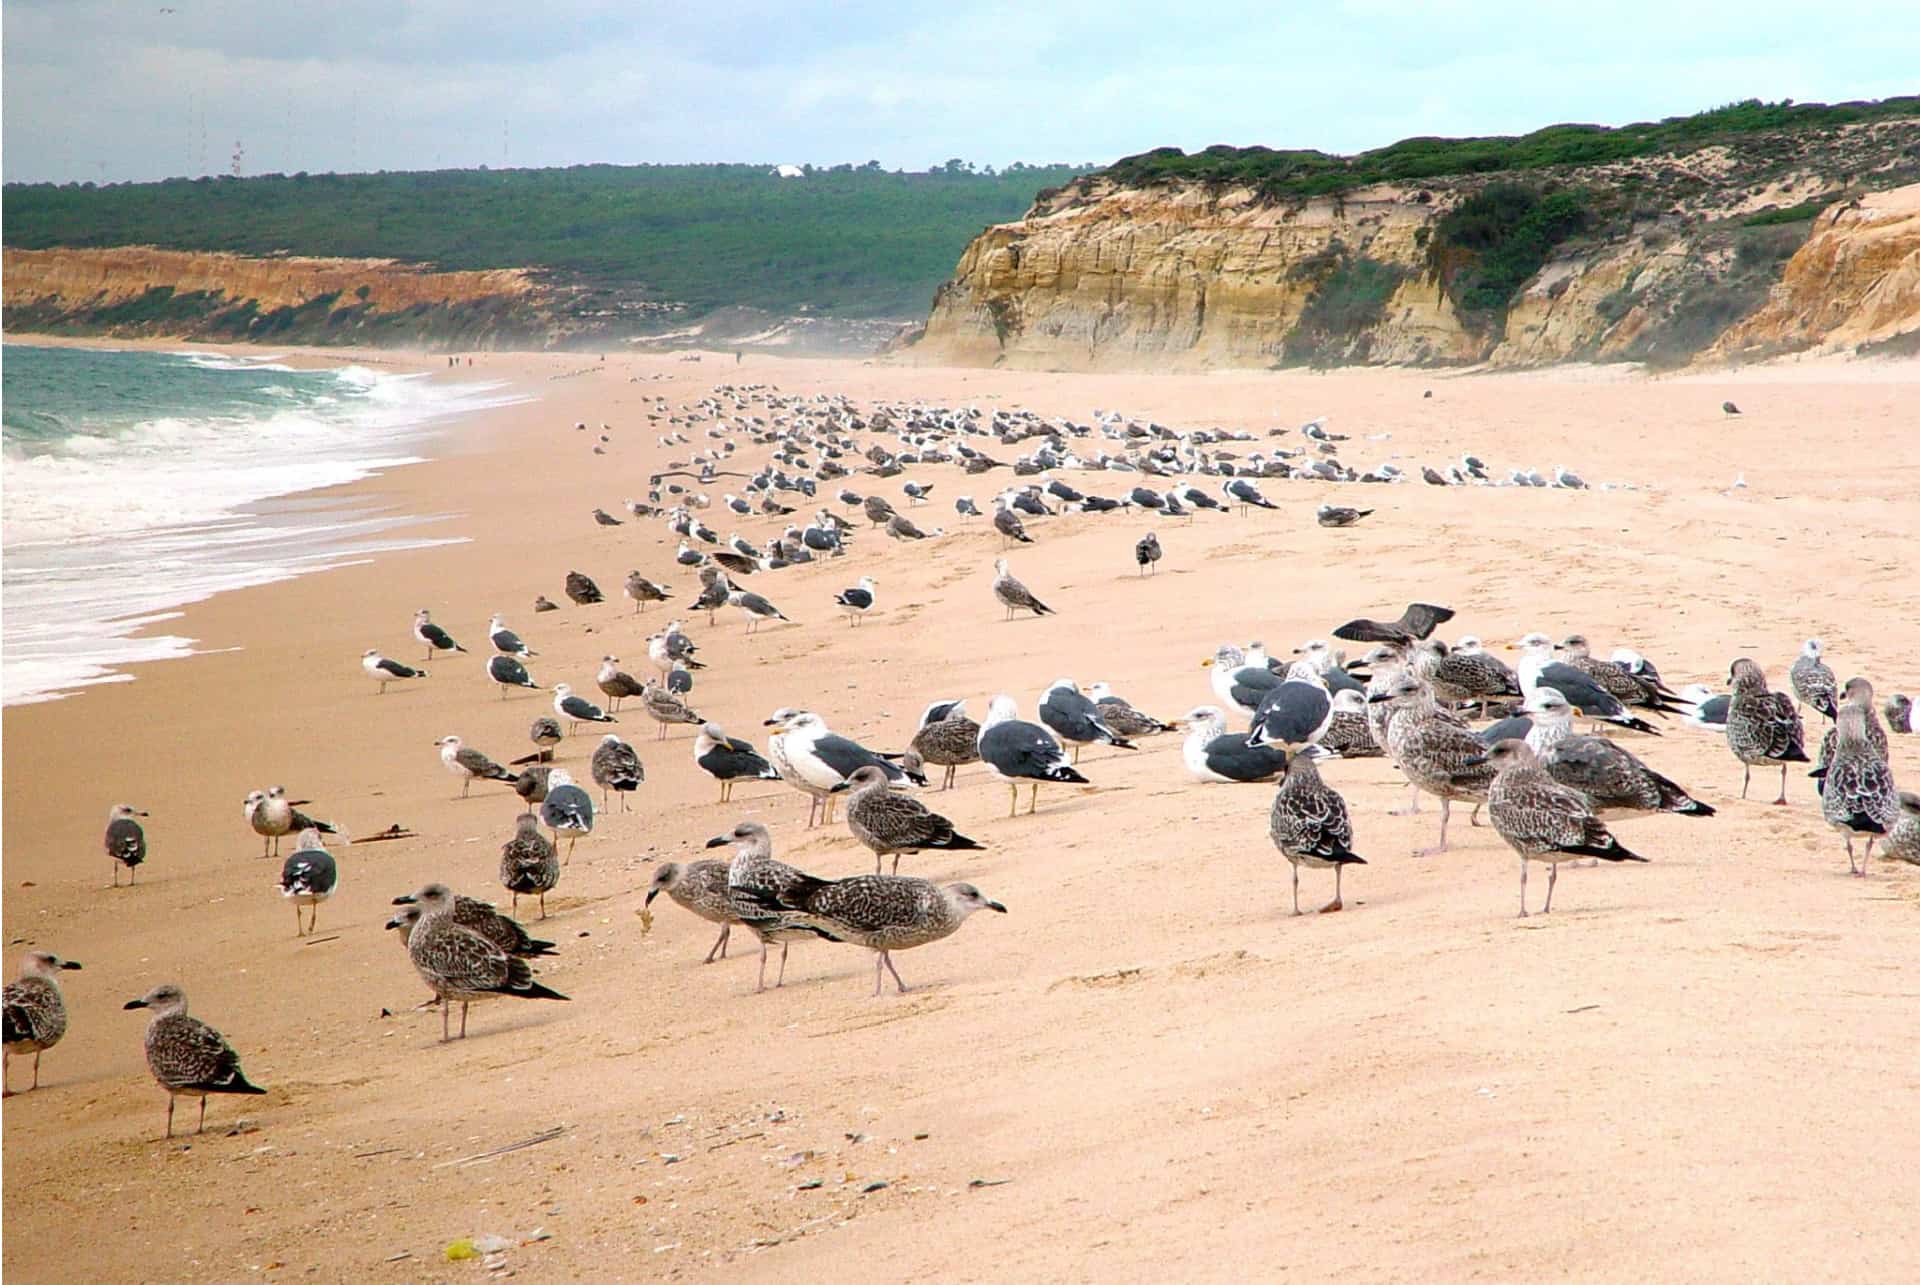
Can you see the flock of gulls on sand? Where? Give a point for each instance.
(1549, 791)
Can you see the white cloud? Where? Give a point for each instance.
(93, 88)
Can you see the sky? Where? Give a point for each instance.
(148, 89)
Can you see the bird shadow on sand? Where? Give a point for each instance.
(886, 1008)
(483, 1024)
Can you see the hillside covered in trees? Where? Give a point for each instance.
(1281, 174)
(684, 240)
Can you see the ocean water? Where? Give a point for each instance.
(133, 483)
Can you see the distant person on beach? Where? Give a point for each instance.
(737, 355)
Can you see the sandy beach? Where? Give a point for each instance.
(1696, 1069)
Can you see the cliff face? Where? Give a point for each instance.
(137, 290)
(1856, 282)
(1123, 277)
(1184, 275)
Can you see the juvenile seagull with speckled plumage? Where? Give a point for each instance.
(187, 1057)
(35, 1013)
(1762, 726)
(885, 913)
(1543, 820)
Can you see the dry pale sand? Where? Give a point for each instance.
(1701, 1068)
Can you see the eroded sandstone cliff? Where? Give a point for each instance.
(138, 290)
(1703, 254)
(1855, 284)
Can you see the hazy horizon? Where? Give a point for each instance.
(93, 91)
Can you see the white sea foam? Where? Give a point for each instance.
(108, 533)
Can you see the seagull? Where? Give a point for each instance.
(901, 529)
(458, 963)
(884, 913)
(1613, 780)
(36, 1011)
(1019, 751)
(727, 759)
(435, 638)
(567, 808)
(1013, 595)
(529, 866)
(701, 887)
(665, 707)
(508, 672)
(1538, 669)
(1246, 494)
(1335, 515)
(1147, 553)
(384, 671)
(1857, 795)
(577, 709)
(616, 767)
(615, 683)
(1075, 718)
(544, 732)
(1236, 681)
(1212, 753)
(816, 760)
(186, 1056)
(1543, 820)
(1813, 683)
(754, 880)
(582, 590)
(1008, 524)
(1417, 622)
(468, 763)
(965, 507)
(125, 841)
(272, 815)
(893, 823)
(1310, 826)
(1436, 752)
(946, 738)
(1295, 713)
(1729, 408)
(643, 591)
(505, 641)
(671, 648)
(308, 878)
(758, 610)
(1122, 717)
(858, 601)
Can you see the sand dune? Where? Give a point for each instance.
(1696, 1069)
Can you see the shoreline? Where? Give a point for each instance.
(1147, 1023)
(233, 542)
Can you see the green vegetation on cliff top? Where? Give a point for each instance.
(1299, 174)
(849, 241)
